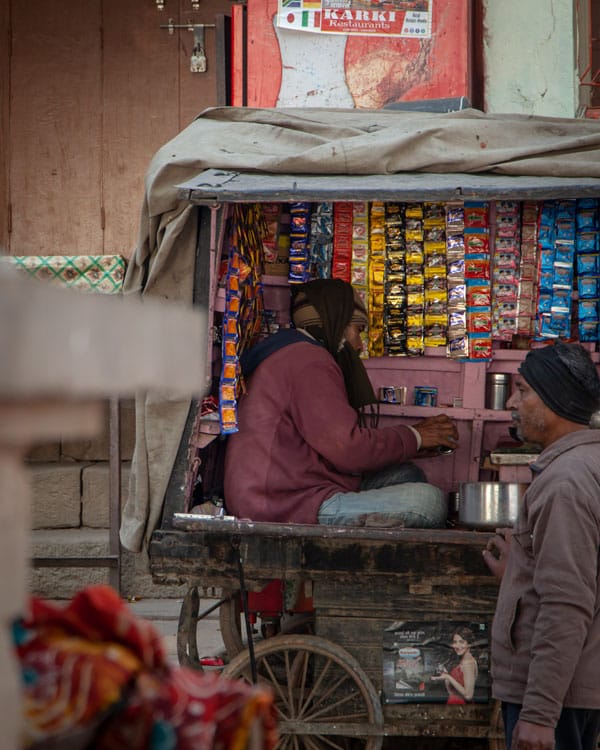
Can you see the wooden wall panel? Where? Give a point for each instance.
(150, 94)
(198, 90)
(4, 123)
(140, 110)
(55, 147)
(89, 93)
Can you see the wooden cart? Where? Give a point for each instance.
(328, 682)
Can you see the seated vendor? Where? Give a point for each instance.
(304, 452)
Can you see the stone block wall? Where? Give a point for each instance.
(70, 514)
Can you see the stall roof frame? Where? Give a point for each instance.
(224, 186)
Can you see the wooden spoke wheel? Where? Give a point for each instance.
(187, 629)
(187, 647)
(230, 622)
(324, 699)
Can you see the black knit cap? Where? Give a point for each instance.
(572, 394)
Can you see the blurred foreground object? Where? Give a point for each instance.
(61, 354)
(97, 676)
(58, 342)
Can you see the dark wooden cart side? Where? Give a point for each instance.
(206, 553)
(361, 580)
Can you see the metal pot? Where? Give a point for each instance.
(488, 505)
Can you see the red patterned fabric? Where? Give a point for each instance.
(94, 665)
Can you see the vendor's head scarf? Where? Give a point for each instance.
(324, 308)
(565, 378)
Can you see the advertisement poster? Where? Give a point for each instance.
(436, 662)
(399, 18)
(288, 68)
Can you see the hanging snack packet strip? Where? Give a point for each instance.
(300, 222)
(477, 274)
(587, 268)
(376, 278)
(414, 237)
(321, 240)
(505, 270)
(435, 316)
(359, 271)
(242, 318)
(556, 269)
(458, 345)
(528, 269)
(395, 297)
(342, 241)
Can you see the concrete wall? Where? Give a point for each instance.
(69, 483)
(530, 57)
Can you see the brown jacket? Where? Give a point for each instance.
(546, 631)
(299, 441)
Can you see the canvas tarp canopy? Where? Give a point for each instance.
(308, 142)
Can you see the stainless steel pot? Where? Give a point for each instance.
(488, 505)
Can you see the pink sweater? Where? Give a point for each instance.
(299, 441)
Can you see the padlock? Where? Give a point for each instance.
(198, 61)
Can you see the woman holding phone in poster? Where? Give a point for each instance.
(460, 681)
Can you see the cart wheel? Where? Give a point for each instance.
(187, 629)
(230, 622)
(324, 699)
(187, 647)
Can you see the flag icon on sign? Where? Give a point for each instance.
(296, 19)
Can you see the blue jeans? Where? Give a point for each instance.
(577, 728)
(396, 496)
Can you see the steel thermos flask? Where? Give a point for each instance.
(497, 390)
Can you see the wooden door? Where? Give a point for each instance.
(88, 93)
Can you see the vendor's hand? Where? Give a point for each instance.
(435, 431)
(496, 551)
(528, 736)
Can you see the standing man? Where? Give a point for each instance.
(546, 631)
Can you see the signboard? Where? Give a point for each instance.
(436, 662)
(369, 18)
(345, 67)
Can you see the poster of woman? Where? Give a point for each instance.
(436, 662)
(461, 678)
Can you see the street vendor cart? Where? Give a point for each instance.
(329, 681)
(347, 625)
